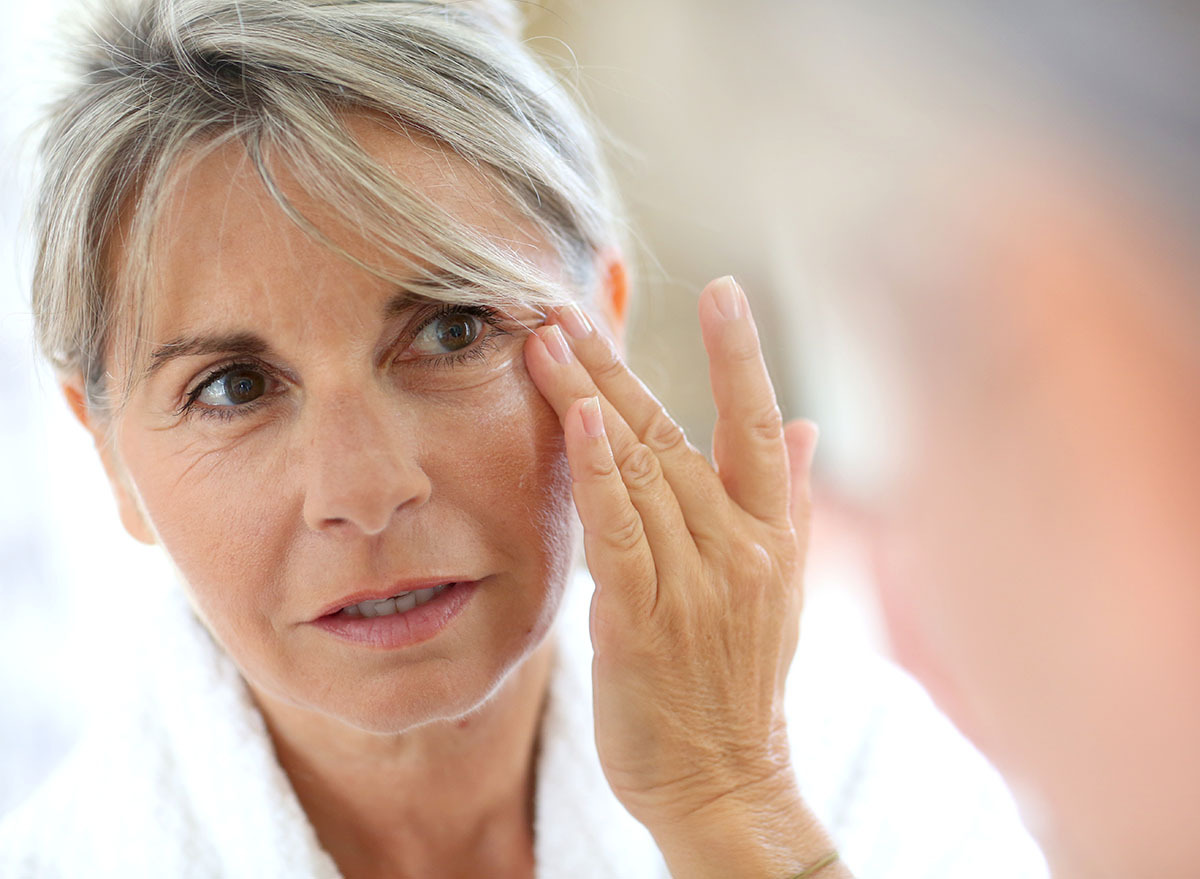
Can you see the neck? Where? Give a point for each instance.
(448, 798)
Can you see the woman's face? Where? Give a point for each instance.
(307, 437)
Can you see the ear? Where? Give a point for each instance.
(613, 295)
(128, 506)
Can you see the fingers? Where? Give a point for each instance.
(688, 473)
(563, 381)
(614, 539)
(748, 441)
(801, 438)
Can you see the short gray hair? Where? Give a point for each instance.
(155, 79)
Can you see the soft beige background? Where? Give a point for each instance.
(699, 98)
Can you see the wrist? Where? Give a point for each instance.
(761, 830)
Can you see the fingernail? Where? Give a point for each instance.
(557, 344)
(575, 322)
(593, 421)
(729, 298)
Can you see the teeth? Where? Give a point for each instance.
(405, 601)
(383, 608)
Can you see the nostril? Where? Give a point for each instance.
(367, 506)
(361, 464)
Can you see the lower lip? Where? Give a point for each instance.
(401, 629)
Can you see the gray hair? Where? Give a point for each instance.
(156, 79)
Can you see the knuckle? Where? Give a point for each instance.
(626, 535)
(753, 561)
(639, 467)
(767, 424)
(662, 434)
(609, 368)
(598, 469)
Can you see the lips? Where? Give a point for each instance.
(409, 594)
(401, 603)
(391, 626)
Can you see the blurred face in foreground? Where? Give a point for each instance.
(364, 492)
(1037, 546)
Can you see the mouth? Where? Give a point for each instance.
(400, 597)
(402, 619)
(394, 604)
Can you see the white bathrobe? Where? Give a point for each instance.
(179, 780)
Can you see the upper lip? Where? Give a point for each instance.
(395, 589)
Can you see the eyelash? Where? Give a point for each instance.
(490, 316)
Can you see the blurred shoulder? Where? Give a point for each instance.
(900, 789)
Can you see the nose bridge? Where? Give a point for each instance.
(360, 460)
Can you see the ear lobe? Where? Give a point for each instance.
(129, 508)
(614, 290)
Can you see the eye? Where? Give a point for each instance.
(234, 387)
(447, 333)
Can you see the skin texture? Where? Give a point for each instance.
(369, 460)
(1036, 541)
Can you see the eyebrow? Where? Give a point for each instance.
(426, 293)
(401, 302)
(246, 344)
(249, 344)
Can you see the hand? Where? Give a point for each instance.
(698, 595)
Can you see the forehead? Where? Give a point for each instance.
(221, 231)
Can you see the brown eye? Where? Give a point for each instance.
(447, 334)
(456, 331)
(234, 388)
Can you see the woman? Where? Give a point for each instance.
(318, 279)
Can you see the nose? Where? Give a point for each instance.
(360, 463)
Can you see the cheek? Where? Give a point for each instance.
(219, 510)
(509, 469)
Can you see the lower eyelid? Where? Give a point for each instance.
(231, 412)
